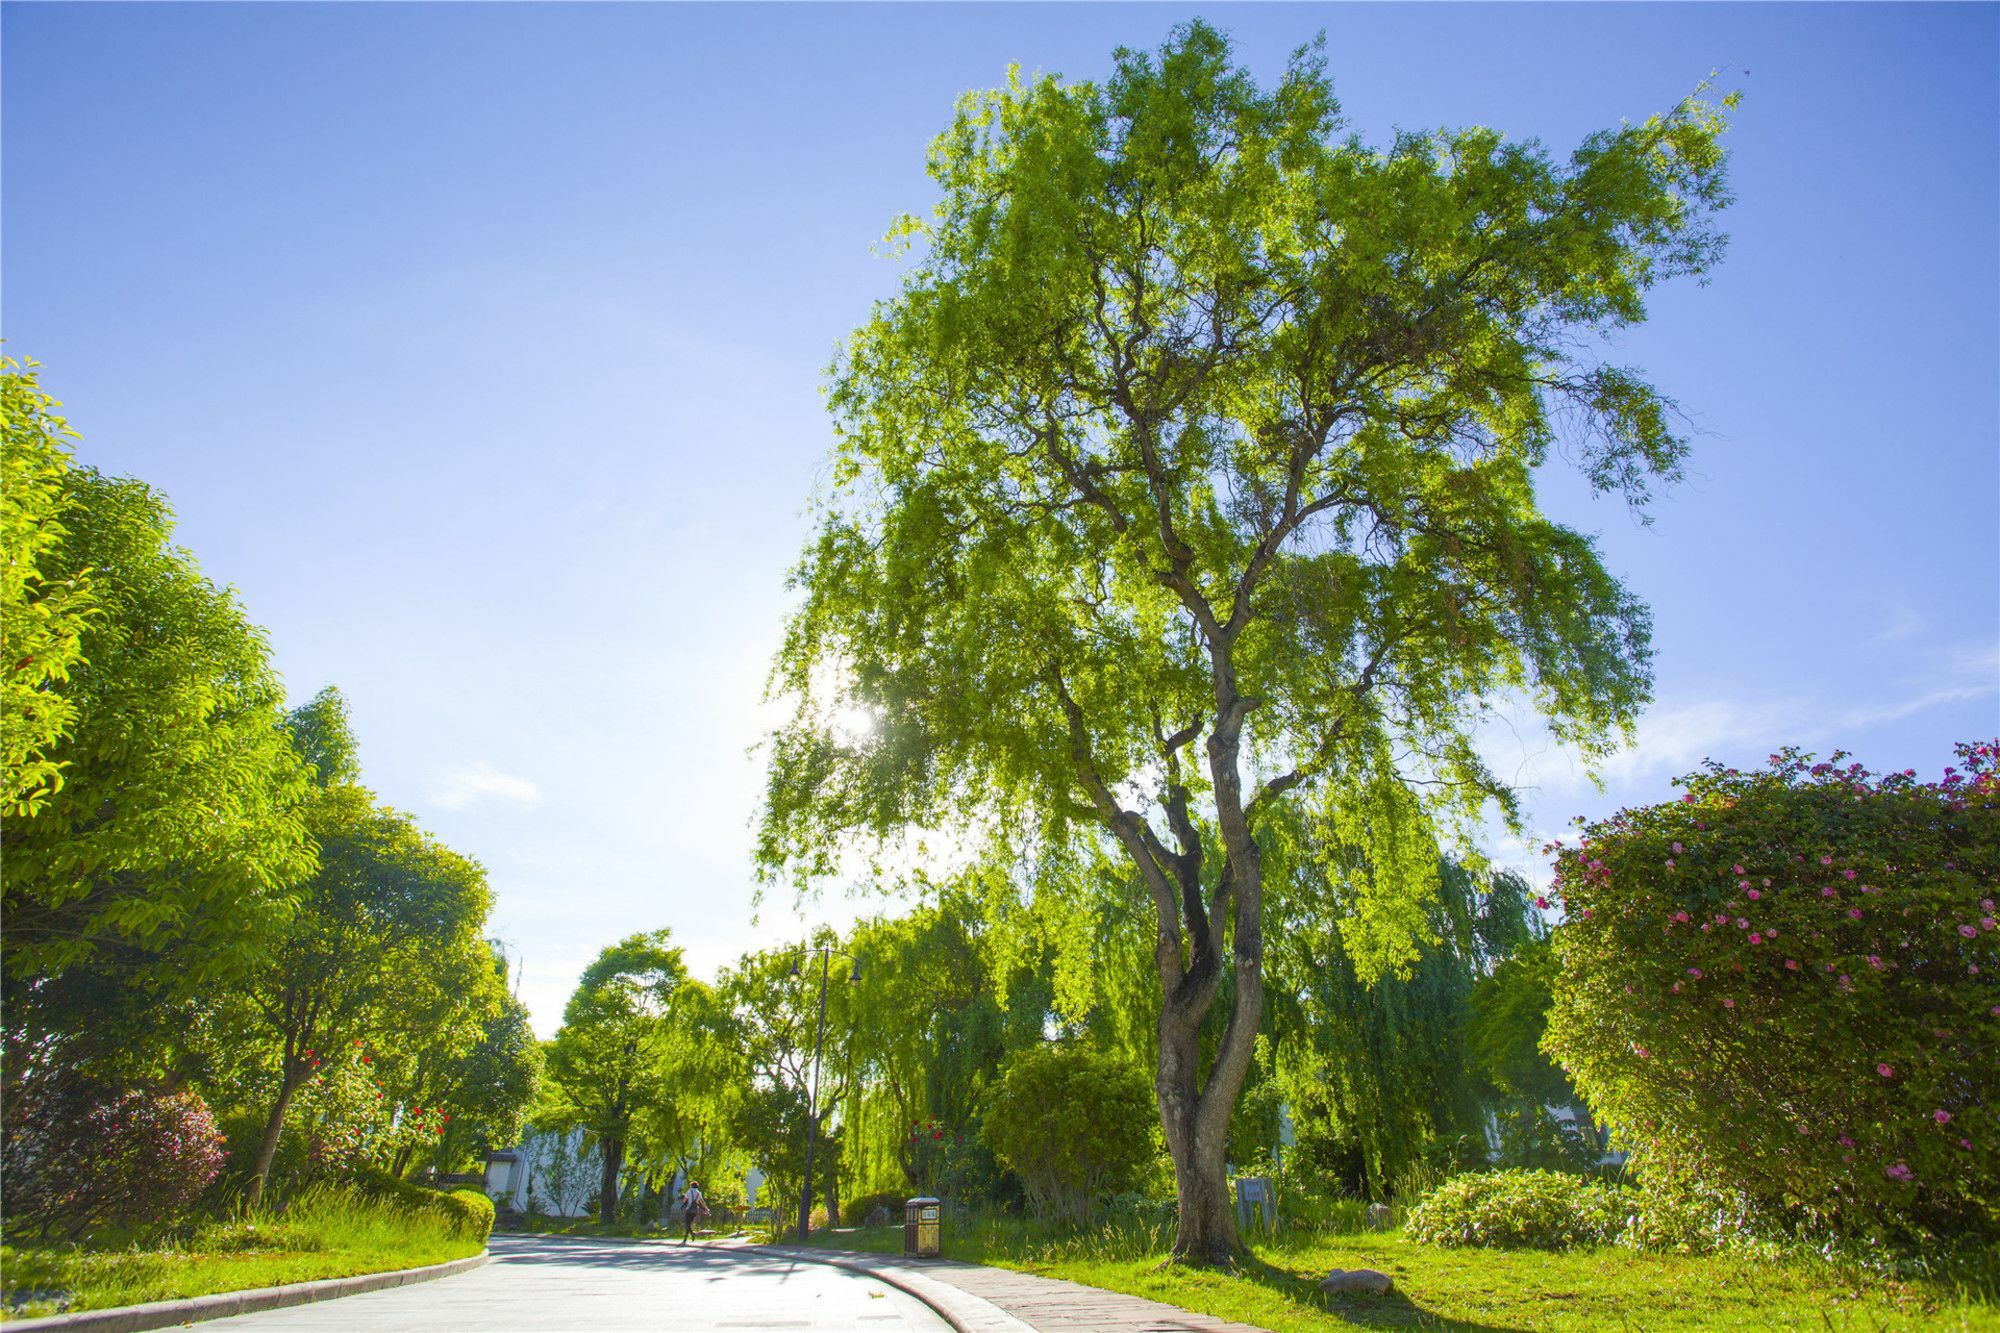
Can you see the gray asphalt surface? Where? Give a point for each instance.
(537, 1283)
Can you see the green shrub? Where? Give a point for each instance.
(1075, 1124)
(1783, 985)
(854, 1212)
(481, 1209)
(1681, 1217)
(466, 1214)
(1542, 1210)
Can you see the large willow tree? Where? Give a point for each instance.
(1191, 476)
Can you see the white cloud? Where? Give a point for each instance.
(469, 784)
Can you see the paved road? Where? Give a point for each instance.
(540, 1283)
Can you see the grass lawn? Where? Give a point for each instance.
(1480, 1289)
(332, 1237)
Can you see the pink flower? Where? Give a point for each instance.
(1885, 1070)
(1985, 904)
(1847, 874)
(1642, 1052)
(1755, 938)
(1742, 924)
(1826, 860)
(1680, 916)
(1738, 869)
(1670, 863)
(1875, 961)
(1846, 1142)
(1745, 884)
(1695, 972)
(1728, 1003)
(1941, 1116)
(1986, 923)
(1898, 1172)
(1677, 988)
(1967, 931)
(1802, 1128)
(1791, 964)
(1678, 849)
(1754, 895)
(1854, 912)
(1826, 892)
(1965, 1144)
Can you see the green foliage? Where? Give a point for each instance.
(614, 1053)
(1075, 1124)
(1543, 1210)
(80, 1154)
(1503, 1034)
(1380, 1076)
(385, 935)
(1193, 465)
(463, 1214)
(1533, 1139)
(161, 867)
(1781, 985)
(856, 1212)
(42, 619)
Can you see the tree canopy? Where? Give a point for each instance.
(1191, 476)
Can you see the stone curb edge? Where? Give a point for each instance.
(165, 1314)
(964, 1311)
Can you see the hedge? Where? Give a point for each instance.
(1786, 984)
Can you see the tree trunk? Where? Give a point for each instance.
(832, 1193)
(267, 1146)
(613, 1151)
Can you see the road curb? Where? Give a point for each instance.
(961, 1309)
(221, 1305)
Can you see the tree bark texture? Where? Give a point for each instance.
(613, 1152)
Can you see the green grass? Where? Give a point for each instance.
(326, 1233)
(1470, 1289)
(590, 1226)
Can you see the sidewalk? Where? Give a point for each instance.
(973, 1298)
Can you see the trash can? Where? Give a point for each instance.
(920, 1228)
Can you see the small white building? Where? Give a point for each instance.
(555, 1175)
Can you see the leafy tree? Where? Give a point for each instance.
(687, 1132)
(42, 619)
(773, 1002)
(610, 1057)
(388, 924)
(1379, 1074)
(483, 1077)
(1191, 477)
(1074, 1123)
(489, 1088)
(160, 870)
(1510, 1012)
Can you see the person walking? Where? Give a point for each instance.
(694, 1208)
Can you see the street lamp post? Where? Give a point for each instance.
(826, 955)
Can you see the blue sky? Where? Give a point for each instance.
(480, 348)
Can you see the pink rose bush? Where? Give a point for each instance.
(1805, 1020)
